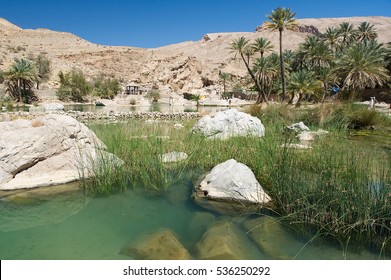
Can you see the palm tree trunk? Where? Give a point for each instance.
(298, 104)
(19, 90)
(255, 80)
(325, 92)
(282, 67)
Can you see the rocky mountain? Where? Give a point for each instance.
(179, 67)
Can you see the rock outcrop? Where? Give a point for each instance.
(230, 188)
(49, 150)
(229, 123)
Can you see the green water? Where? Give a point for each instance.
(69, 225)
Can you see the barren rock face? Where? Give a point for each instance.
(49, 150)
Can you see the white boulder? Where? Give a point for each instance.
(174, 157)
(308, 136)
(229, 123)
(230, 182)
(49, 150)
(297, 127)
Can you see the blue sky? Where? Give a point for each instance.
(153, 23)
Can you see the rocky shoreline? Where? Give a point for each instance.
(110, 115)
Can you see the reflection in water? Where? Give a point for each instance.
(40, 207)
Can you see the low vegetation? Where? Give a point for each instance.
(74, 86)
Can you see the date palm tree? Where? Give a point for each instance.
(262, 45)
(328, 77)
(346, 34)
(266, 71)
(302, 83)
(20, 77)
(242, 47)
(224, 76)
(281, 19)
(361, 66)
(330, 37)
(366, 32)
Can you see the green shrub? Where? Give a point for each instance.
(153, 95)
(105, 87)
(73, 86)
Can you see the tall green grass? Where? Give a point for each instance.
(340, 188)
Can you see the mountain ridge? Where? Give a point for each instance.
(177, 67)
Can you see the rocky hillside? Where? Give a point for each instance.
(180, 67)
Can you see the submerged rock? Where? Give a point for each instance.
(278, 241)
(223, 241)
(161, 245)
(49, 150)
(199, 224)
(230, 188)
(229, 123)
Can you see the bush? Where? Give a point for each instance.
(74, 86)
(105, 88)
(153, 95)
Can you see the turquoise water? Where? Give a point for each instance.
(68, 225)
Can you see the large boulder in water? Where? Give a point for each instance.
(49, 150)
(229, 123)
(223, 241)
(230, 188)
(160, 245)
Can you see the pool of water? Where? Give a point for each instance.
(42, 224)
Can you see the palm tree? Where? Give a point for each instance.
(361, 66)
(330, 37)
(327, 77)
(20, 77)
(320, 56)
(267, 71)
(224, 76)
(281, 19)
(302, 83)
(366, 32)
(242, 47)
(347, 34)
(262, 45)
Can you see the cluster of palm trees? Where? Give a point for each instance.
(23, 74)
(345, 56)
